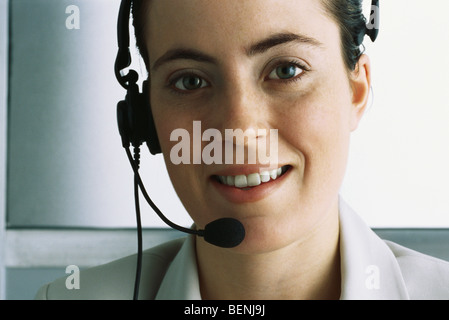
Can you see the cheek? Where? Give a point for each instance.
(166, 122)
(317, 127)
(186, 179)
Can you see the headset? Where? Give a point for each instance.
(134, 116)
(136, 126)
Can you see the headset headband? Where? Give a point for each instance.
(123, 59)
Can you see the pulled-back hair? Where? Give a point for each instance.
(348, 14)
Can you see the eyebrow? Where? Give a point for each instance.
(183, 54)
(259, 47)
(279, 39)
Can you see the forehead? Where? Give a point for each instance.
(219, 27)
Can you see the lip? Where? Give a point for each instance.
(247, 195)
(245, 170)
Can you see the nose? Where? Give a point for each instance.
(241, 107)
(242, 115)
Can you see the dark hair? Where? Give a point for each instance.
(348, 14)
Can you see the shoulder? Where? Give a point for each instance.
(115, 280)
(425, 277)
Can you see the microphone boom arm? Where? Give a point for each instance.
(153, 205)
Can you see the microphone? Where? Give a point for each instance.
(224, 232)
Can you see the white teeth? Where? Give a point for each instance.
(253, 179)
(274, 174)
(265, 176)
(241, 181)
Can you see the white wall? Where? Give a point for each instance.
(398, 174)
(66, 166)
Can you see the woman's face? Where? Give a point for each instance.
(265, 64)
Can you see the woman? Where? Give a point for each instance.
(293, 66)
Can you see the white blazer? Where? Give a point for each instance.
(371, 268)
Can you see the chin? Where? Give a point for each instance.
(263, 237)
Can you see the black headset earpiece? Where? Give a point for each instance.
(134, 116)
(372, 27)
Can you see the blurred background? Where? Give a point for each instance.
(66, 189)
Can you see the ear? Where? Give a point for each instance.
(361, 85)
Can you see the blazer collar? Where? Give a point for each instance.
(181, 280)
(369, 269)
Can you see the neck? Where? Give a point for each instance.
(307, 269)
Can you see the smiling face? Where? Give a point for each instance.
(255, 65)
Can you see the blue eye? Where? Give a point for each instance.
(285, 72)
(190, 83)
